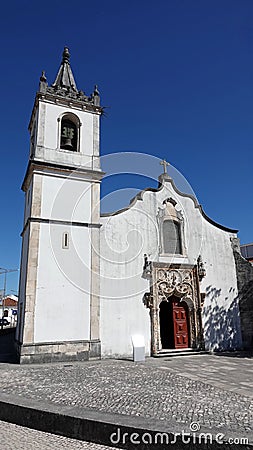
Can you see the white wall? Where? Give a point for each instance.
(22, 285)
(65, 199)
(125, 238)
(62, 310)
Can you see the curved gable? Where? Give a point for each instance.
(166, 179)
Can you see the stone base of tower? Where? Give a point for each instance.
(59, 351)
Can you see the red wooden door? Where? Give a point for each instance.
(180, 321)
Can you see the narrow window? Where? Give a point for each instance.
(171, 237)
(65, 240)
(68, 135)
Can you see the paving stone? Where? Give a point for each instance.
(155, 389)
(15, 437)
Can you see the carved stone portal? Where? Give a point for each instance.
(180, 281)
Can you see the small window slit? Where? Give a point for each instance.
(65, 240)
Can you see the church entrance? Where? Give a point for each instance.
(166, 325)
(174, 304)
(174, 324)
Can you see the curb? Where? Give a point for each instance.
(128, 432)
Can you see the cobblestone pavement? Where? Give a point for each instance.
(227, 372)
(14, 437)
(154, 389)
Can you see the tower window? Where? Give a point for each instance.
(68, 135)
(65, 240)
(172, 237)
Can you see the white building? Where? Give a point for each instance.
(160, 267)
(10, 307)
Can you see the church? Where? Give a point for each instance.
(159, 268)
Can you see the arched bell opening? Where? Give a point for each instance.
(69, 132)
(68, 135)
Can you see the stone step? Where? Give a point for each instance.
(179, 352)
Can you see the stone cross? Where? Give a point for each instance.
(164, 163)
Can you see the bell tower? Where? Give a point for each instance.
(59, 298)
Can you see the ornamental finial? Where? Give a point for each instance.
(43, 83)
(96, 91)
(65, 55)
(43, 77)
(164, 163)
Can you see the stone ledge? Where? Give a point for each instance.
(59, 352)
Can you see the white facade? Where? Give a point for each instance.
(125, 238)
(88, 283)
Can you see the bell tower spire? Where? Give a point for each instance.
(75, 116)
(64, 85)
(65, 78)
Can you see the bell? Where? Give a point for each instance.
(67, 142)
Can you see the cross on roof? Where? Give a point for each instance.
(164, 163)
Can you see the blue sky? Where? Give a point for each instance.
(176, 78)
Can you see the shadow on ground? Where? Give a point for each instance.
(236, 354)
(7, 346)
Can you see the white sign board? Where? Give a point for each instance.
(138, 347)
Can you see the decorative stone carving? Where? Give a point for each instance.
(146, 268)
(168, 212)
(201, 268)
(65, 85)
(174, 282)
(148, 300)
(67, 93)
(167, 280)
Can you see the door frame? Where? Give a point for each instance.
(182, 281)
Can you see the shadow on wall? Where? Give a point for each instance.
(221, 324)
(245, 288)
(246, 312)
